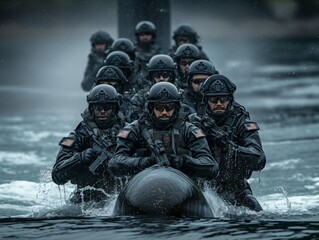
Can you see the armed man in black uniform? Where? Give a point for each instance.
(124, 45)
(184, 33)
(184, 56)
(84, 154)
(145, 46)
(198, 72)
(184, 144)
(125, 64)
(161, 68)
(112, 75)
(100, 42)
(233, 139)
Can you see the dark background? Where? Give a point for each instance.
(44, 44)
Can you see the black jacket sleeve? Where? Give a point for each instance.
(68, 162)
(124, 162)
(200, 163)
(249, 149)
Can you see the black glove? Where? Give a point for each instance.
(176, 161)
(146, 162)
(89, 155)
(207, 122)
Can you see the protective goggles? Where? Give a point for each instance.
(222, 99)
(198, 80)
(159, 74)
(167, 107)
(103, 106)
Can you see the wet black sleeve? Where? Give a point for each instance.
(249, 146)
(123, 163)
(68, 162)
(201, 163)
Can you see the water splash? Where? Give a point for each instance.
(285, 194)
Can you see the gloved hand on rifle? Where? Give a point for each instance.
(177, 161)
(146, 162)
(215, 133)
(89, 155)
(207, 123)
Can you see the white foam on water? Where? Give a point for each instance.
(45, 198)
(313, 186)
(51, 199)
(19, 191)
(218, 206)
(33, 137)
(284, 164)
(31, 197)
(21, 158)
(295, 205)
(22, 208)
(50, 195)
(107, 209)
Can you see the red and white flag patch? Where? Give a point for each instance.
(251, 126)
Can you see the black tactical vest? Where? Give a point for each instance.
(172, 138)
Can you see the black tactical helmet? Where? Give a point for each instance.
(124, 45)
(163, 92)
(187, 31)
(218, 85)
(160, 63)
(186, 50)
(122, 61)
(201, 67)
(110, 73)
(145, 27)
(101, 37)
(103, 93)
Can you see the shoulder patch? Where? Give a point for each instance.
(251, 126)
(198, 133)
(67, 142)
(123, 133)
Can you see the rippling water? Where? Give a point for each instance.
(147, 228)
(280, 89)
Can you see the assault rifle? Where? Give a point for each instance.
(98, 146)
(217, 133)
(157, 148)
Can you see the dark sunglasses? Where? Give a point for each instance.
(161, 108)
(103, 106)
(198, 80)
(144, 34)
(163, 74)
(220, 99)
(185, 40)
(184, 62)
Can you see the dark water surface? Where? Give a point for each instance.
(278, 82)
(147, 228)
